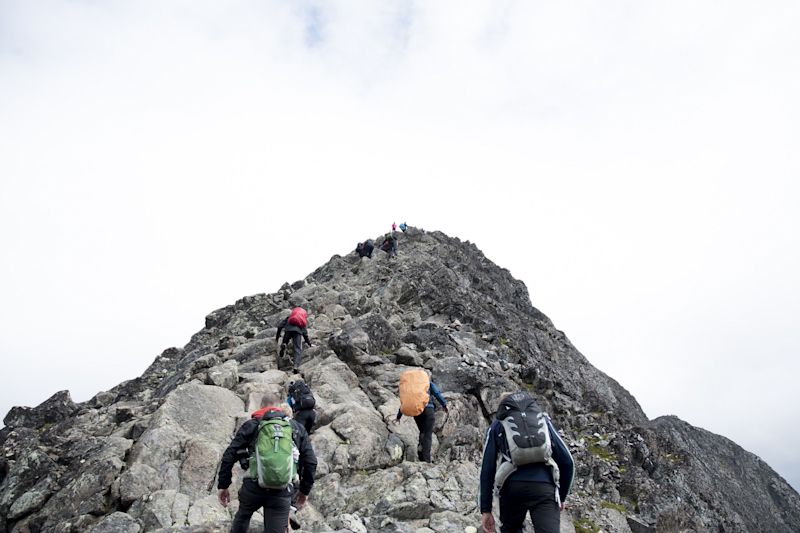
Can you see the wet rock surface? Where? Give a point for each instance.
(143, 456)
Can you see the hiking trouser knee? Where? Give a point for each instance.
(306, 418)
(425, 422)
(518, 498)
(298, 348)
(276, 504)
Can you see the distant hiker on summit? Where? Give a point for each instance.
(403, 227)
(295, 326)
(416, 400)
(527, 464)
(365, 248)
(275, 451)
(394, 227)
(302, 402)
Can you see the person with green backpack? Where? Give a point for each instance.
(279, 453)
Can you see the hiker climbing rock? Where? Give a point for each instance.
(278, 451)
(389, 244)
(534, 472)
(302, 402)
(365, 248)
(403, 227)
(295, 326)
(417, 392)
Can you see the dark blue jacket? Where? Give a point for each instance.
(496, 443)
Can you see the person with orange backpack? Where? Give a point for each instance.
(417, 392)
(295, 326)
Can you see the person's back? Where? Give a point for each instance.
(295, 326)
(302, 402)
(534, 472)
(275, 501)
(389, 244)
(417, 394)
(365, 248)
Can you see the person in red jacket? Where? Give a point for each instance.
(295, 326)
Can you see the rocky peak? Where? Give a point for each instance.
(144, 455)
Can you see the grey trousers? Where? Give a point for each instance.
(297, 339)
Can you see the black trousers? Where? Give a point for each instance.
(276, 503)
(306, 417)
(425, 422)
(298, 344)
(518, 498)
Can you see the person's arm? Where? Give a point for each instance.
(308, 460)
(305, 336)
(566, 466)
(488, 467)
(281, 325)
(290, 401)
(438, 395)
(242, 439)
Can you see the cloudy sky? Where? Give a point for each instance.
(635, 163)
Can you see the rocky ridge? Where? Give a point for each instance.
(144, 455)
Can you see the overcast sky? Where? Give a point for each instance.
(634, 163)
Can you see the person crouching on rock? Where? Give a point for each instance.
(389, 244)
(295, 326)
(365, 248)
(279, 450)
(417, 392)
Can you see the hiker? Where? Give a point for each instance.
(365, 248)
(302, 402)
(533, 478)
(403, 227)
(389, 244)
(417, 392)
(270, 486)
(394, 227)
(295, 326)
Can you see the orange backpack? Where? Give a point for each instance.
(414, 386)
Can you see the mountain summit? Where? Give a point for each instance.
(144, 455)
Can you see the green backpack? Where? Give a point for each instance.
(273, 463)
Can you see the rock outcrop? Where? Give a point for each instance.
(144, 455)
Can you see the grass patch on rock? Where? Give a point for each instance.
(584, 525)
(617, 507)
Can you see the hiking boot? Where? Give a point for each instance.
(293, 523)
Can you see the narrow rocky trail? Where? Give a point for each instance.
(144, 455)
